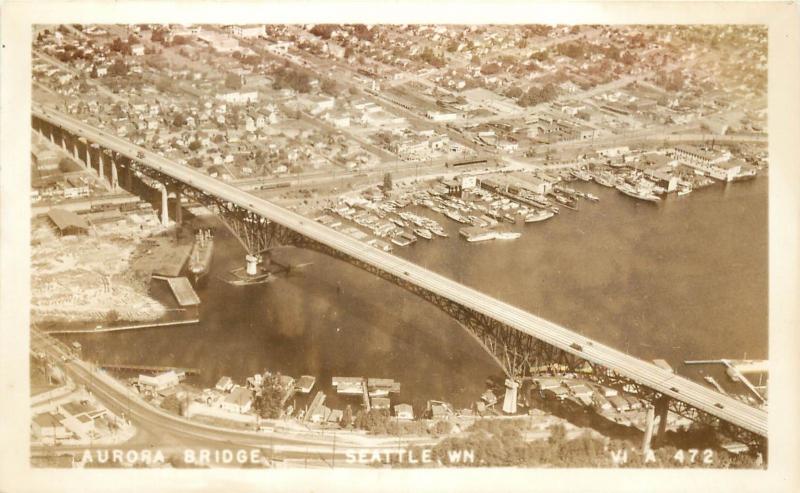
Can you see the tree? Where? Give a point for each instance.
(179, 120)
(329, 86)
(432, 59)
(234, 81)
(323, 31)
(112, 316)
(347, 417)
(194, 145)
(117, 45)
(490, 68)
(269, 402)
(118, 68)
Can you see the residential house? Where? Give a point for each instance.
(239, 401)
(404, 411)
(224, 384)
(159, 382)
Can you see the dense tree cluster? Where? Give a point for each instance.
(324, 31)
(671, 81)
(268, 402)
(535, 95)
(234, 81)
(286, 77)
(429, 57)
(118, 68)
(490, 68)
(363, 33)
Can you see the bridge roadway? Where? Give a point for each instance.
(645, 373)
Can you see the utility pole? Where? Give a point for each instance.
(333, 458)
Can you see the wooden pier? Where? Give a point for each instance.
(145, 325)
(151, 369)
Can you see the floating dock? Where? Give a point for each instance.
(319, 399)
(182, 289)
(101, 328)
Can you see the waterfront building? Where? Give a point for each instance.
(404, 411)
(159, 382)
(240, 400)
(67, 222)
(224, 384)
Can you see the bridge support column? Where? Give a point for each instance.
(164, 205)
(252, 264)
(661, 411)
(114, 177)
(178, 207)
(75, 151)
(128, 177)
(648, 429)
(101, 172)
(64, 141)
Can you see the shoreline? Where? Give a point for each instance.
(145, 325)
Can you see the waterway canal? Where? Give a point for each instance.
(684, 279)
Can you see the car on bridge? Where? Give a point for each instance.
(576, 346)
(140, 155)
(719, 405)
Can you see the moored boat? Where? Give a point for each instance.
(539, 215)
(423, 233)
(637, 193)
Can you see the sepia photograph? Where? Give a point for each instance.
(398, 246)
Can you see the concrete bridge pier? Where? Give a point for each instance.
(178, 206)
(114, 177)
(648, 429)
(75, 153)
(89, 157)
(661, 411)
(164, 205)
(252, 264)
(101, 171)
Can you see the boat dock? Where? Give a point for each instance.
(713, 381)
(151, 369)
(182, 289)
(734, 372)
(319, 399)
(146, 325)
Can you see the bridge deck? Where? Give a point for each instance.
(674, 386)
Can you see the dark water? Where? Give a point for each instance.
(684, 279)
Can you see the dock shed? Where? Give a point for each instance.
(67, 222)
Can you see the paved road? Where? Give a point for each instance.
(665, 382)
